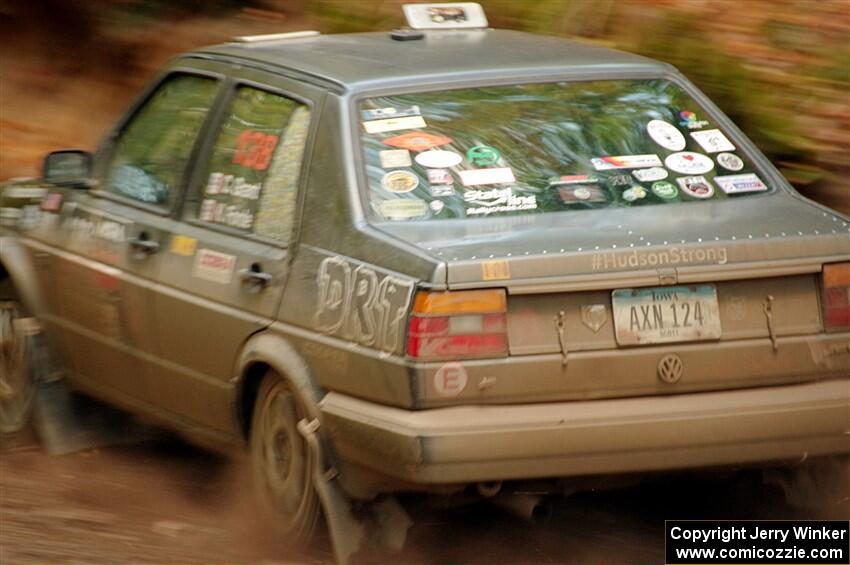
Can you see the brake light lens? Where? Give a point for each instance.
(458, 324)
(836, 296)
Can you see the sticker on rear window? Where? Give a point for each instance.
(582, 193)
(393, 124)
(384, 113)
(394, 158)
(400, 181)
(697, 187)
(730, 161)
(712, 140)
(666, 135)
(735, 184)
(651, 174)
(688, 162)
(437, 158)
(625, 162)
(403, 209)
(475, 177)
(417, 141)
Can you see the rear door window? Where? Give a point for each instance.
(153, 149)
(540, 148)
(253, 171)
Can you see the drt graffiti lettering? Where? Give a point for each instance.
(360, 304)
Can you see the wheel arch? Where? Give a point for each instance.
(18, 276)
(268, 352)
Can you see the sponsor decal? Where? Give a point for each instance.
(436, 206)
(690, 120)
(394, 158)
(439, 176)
(417, 141)
(573, 179)
(712, 140)
(384, 113)
(594, 316)
(394, 124)
(651, 174)
(665, 190)
(582, 193)
(735, 184)
(183, 245)
(227, 214)
(52, 203)
(666, 135)
(625, 162)
(450, 379)
(403, 208)
(361, 304)
(730, 161)
(436, 158)
(254, 149)
(634, 193)
(688, 162)
(675, 255)
(476, 177)
(213, 266)
(483, 156)
(219, 183)
(619, 180)
(400, 181)
(497, 200)
(697, 187)
(441, 190)
(497, 270)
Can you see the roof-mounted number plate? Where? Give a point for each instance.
(452, 15)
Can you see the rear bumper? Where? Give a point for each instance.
(483, 443)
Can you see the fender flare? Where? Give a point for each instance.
(20, 270)
(279, 355)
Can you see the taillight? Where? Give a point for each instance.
(458, 324)
(836, 296)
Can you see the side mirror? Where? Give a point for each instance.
(70, 167)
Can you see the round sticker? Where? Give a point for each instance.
(664, 189)
(436, 206)
(582, 193)
(634, 193)
(666, 135)
(698, 187)
(400, 181)
(483, 155)
(450, 379)
(650, 174)
(689, 162)
(730, 161)
(438, 159)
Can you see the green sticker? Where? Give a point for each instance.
(483, 155)
(664, 189)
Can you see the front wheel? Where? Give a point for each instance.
(281, 461)
(16, 383)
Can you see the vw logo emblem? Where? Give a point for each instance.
(670, 368)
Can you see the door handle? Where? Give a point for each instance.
(143, 246)
(254, 278)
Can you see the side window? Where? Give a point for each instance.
(152, 151)
(255, 164)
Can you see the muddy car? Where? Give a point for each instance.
(433, 260)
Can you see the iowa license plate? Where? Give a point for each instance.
(666, 314)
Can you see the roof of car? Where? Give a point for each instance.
(365, 61)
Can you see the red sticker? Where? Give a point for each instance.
(254, 149)
(417, 141)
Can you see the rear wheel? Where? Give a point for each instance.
(16, 383)
(282, 463)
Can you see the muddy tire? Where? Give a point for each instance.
(16, 373)
(282, 465)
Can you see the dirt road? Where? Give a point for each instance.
(161, 501)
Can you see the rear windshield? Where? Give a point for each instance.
(531, 149)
